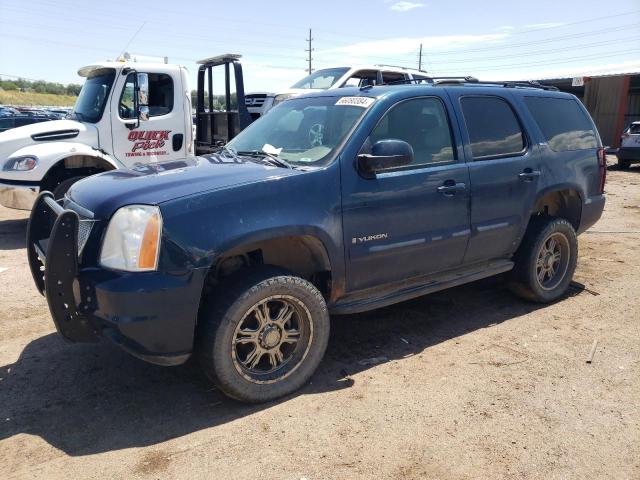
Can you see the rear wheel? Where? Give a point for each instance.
(546, 260)
(263, 334)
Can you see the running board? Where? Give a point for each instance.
(416, 288)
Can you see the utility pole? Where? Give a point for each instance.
(420, 58)
(309, 50)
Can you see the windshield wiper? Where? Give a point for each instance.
(279, 162)
(78, 116)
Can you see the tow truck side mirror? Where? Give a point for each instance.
(143, 97)
(385, 154)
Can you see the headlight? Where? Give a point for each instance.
(132, 241)
(281, 98)
(21, 164)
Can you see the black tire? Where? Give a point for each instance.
(623, 164)
(225, 349)
(64, 186)
(533, 276)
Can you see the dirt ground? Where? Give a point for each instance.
(472, 383)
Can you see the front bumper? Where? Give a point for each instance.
(631, 154)
(151, 315)
(21, 196)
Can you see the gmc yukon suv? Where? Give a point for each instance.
(336, 202)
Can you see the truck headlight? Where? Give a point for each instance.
(21, 164)
(132, 241)
(281, 98)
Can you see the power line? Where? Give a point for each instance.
(565, 60)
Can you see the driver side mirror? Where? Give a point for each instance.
(143, 96)
(385, 154)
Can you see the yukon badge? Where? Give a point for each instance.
(369, 238)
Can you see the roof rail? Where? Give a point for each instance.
(433, 80)
(400, 67)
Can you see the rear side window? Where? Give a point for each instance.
(563, 123)
(391, 77)
(634, 129)
(494, 130)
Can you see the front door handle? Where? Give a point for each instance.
(450, 187)
(528, 175)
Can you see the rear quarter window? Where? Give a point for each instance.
(563, 123)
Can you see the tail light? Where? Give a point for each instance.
(602, 165)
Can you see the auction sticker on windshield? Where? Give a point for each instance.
(363, 102)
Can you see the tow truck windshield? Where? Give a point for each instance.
(94, 95)
(303, 131)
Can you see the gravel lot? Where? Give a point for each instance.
(470, 383)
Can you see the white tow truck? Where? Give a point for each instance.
(127, 113)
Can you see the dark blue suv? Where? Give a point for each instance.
(333, 203)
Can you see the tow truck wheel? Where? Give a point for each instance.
(263, 334)
(64, 186)
(545, 261)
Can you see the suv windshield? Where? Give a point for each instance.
(322, 78)
(93, 96)
(304, 131)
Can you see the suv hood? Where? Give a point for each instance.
(156, 183)
(51, 131)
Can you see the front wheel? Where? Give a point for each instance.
(263, 334)
(546, 260)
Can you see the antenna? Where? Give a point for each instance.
(131, 39)
(309, 50)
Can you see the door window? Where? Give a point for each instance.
(423, 124)
(494, 130)
(563, 123)
(160, 96)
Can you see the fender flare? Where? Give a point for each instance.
(331, 252)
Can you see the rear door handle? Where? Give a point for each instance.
(451, 188)
(529, 175)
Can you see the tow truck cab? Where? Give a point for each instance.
(128, 113)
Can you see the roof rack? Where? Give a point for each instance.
(472, 80)
(504, 83)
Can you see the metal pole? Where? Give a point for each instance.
(420, 58)
(309, 50)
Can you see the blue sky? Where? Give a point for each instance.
(51, 39)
